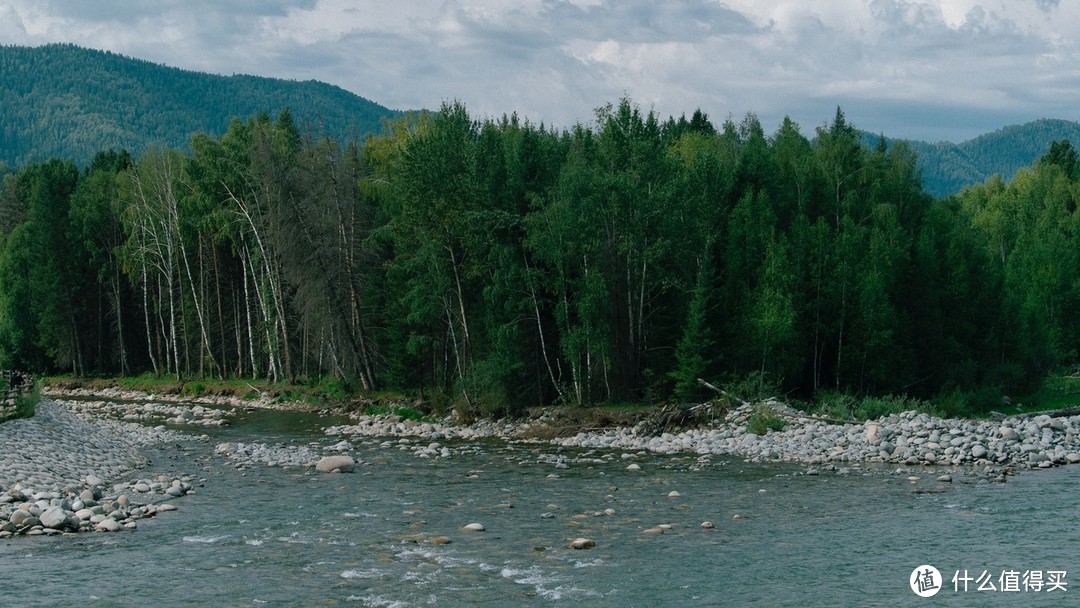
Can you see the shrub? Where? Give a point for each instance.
(194, 388)
(832, 404)
(871, 408)
(333, 388)
(26, 403)
(763, 419)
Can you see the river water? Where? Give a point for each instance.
(266, 536)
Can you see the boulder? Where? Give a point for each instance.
(341, 464)
(19, 517)
(108, 525)
(873, 433)
(54, 517)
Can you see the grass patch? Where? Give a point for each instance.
(842, 406)
(1058, 390)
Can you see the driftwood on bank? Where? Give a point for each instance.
(1072, 410)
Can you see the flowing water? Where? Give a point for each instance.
(271, 537)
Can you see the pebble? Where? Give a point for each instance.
(474, 527)
(54, 466)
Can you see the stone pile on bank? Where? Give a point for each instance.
(909, 438)
(53, 468)
(151, 413)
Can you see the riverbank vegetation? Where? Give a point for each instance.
(492, 265)
(19, 401)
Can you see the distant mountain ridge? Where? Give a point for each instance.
(64, 101)
(947, 167)
(60, 100)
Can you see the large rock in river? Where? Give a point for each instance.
(54, 517)
(341, 464)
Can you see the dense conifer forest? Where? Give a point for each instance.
(499, 264)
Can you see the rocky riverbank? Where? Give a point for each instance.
(910, 439)
(52, 466)
(61, 472)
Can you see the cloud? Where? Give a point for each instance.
(960, 62)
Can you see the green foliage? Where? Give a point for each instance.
(406, 413)
(844, 406)
(691, 353)
(493, 265)
(193, 389)
(26, 403)
(763, 419)
(872, 408)
(755, 386)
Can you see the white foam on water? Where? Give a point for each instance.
(544, 584)
(376, 601)
(360, 514)
(253, 542)
(204, 539)
(361, 574)
(589, 563)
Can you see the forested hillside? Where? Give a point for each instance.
(62, 101)
(947, 168)
(497, 265)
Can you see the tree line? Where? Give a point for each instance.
(497, 264)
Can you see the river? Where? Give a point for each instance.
(266, 536)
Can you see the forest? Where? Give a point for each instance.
(496, 264)
(63, 101)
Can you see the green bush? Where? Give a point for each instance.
(26, 404)
(832, 404)
(406, 413)
(872, 408)
(968, 404)
(763, 419)
(194, 388)
(333, 388)
(483, 393)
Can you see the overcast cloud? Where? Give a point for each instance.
(934, 69)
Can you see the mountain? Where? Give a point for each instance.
(947, 167)
(61, 100)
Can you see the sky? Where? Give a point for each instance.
(933, 70)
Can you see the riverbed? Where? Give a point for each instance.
(392, 533)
